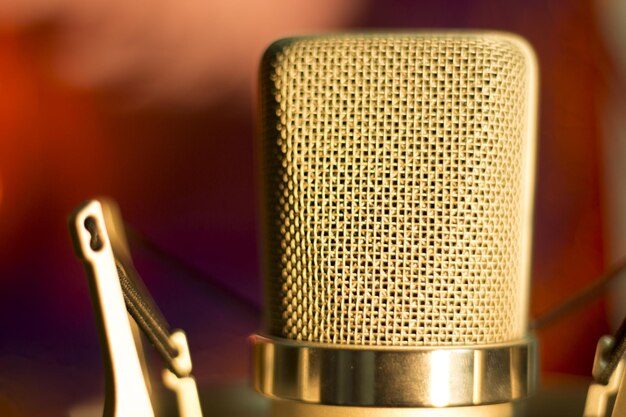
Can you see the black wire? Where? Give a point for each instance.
(143, 310)
(191, 271)
(582, 297)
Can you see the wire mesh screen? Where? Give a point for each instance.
(396, 188)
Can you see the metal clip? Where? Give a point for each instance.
(185, 386)
(99, 239)
(127, 393)
(598, 395)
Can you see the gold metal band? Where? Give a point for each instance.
(373, 376)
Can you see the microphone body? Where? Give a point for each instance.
(398, 174)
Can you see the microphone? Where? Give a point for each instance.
(398, 177)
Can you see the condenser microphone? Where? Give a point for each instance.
(398, 174)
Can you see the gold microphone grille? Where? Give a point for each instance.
(398, 179)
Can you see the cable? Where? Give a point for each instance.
(143, 310)
(582, 297)
(191, 270)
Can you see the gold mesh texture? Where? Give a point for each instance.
(396, 188)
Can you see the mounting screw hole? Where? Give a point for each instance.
(92, 227)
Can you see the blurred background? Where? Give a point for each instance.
(152, 103)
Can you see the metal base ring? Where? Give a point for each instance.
(374, 376)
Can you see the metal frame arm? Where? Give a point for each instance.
(116, 289)
(126, 388)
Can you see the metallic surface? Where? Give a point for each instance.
(398, 178)
(398, 174)
(184, 386)
(99, 239)
(294, 408)
(94, 227)
(393, 377)
(609, 397)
